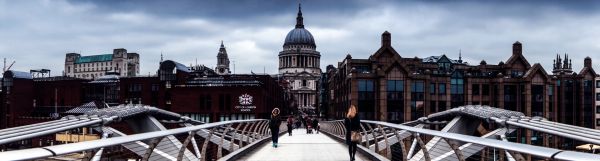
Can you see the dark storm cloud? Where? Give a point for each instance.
(38, 33)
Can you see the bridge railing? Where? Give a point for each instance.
(401, 142)
(208, 141)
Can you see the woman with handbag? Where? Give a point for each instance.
(353, 136)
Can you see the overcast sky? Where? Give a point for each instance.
(37, 34)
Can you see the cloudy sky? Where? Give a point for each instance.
(37, 34)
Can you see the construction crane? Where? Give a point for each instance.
(7, 68)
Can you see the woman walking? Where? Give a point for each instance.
(352, 124)
(274, 124)
(290, 122)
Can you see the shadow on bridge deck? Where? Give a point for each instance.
(303, 147)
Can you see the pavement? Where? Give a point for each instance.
(303, 147)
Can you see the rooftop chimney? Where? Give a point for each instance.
(386, 39)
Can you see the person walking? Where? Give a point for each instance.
(290, 122)
(315, 125)
(274, 124)
(352, 125)
(308, 124)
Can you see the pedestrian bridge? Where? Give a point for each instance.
(462, 133)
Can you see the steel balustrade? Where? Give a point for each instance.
(154, 137)
(453, 141)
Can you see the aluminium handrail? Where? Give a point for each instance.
(523, 148)
(35, 153)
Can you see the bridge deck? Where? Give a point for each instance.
(303, 147)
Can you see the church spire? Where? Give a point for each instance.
(299, 19)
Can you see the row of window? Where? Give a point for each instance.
(94, 69)
(94, 64)
(300, 61)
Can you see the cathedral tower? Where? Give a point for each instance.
(222, 61)
(299, 63)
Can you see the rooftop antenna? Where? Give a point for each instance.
(233, 66)
(460, 55)
(161, 56)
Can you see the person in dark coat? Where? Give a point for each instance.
(290, 122)
(307, 124)
(351, 123)
(315, 125)
(274, 124)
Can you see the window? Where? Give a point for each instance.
(221, 102)
(155, 87)
(597, 121)
(598, 84)
(432, 88)
(457, 89)
(363, 69)
(597, 109)
(205, 102)
(597, 96)
(475, 89)
(442, 90)
(417, 100)
(516, 73)
(366, 99)
(485, 89)
(304, 83)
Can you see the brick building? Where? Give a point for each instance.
(389, 87)
(197, 91)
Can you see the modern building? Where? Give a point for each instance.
(299, 64)
(389, 87)
(95, 66)
(597, 97)
(222, 61)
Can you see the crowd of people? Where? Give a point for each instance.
(310, 124)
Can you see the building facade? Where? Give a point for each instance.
(222, 61)
(597, 96)
(391, 88)
(299, 64)
(195, 91)
(95, 66)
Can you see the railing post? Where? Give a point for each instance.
(340, 130)
(184, 145)
(257, 134)
(402, 145)
(253, 134)
(151, 147)
(456, 149)
(205, 145)
(220, 146)
(423, 147)
(374, 138)
(264, 131)
(232, 143)
(241, 144)
(195, 145)
(366, 136)
(516, 155)
(388, 150)
(249, 134)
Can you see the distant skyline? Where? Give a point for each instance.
(38, 34)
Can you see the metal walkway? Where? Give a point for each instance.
(459, 134)
(302, 147)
